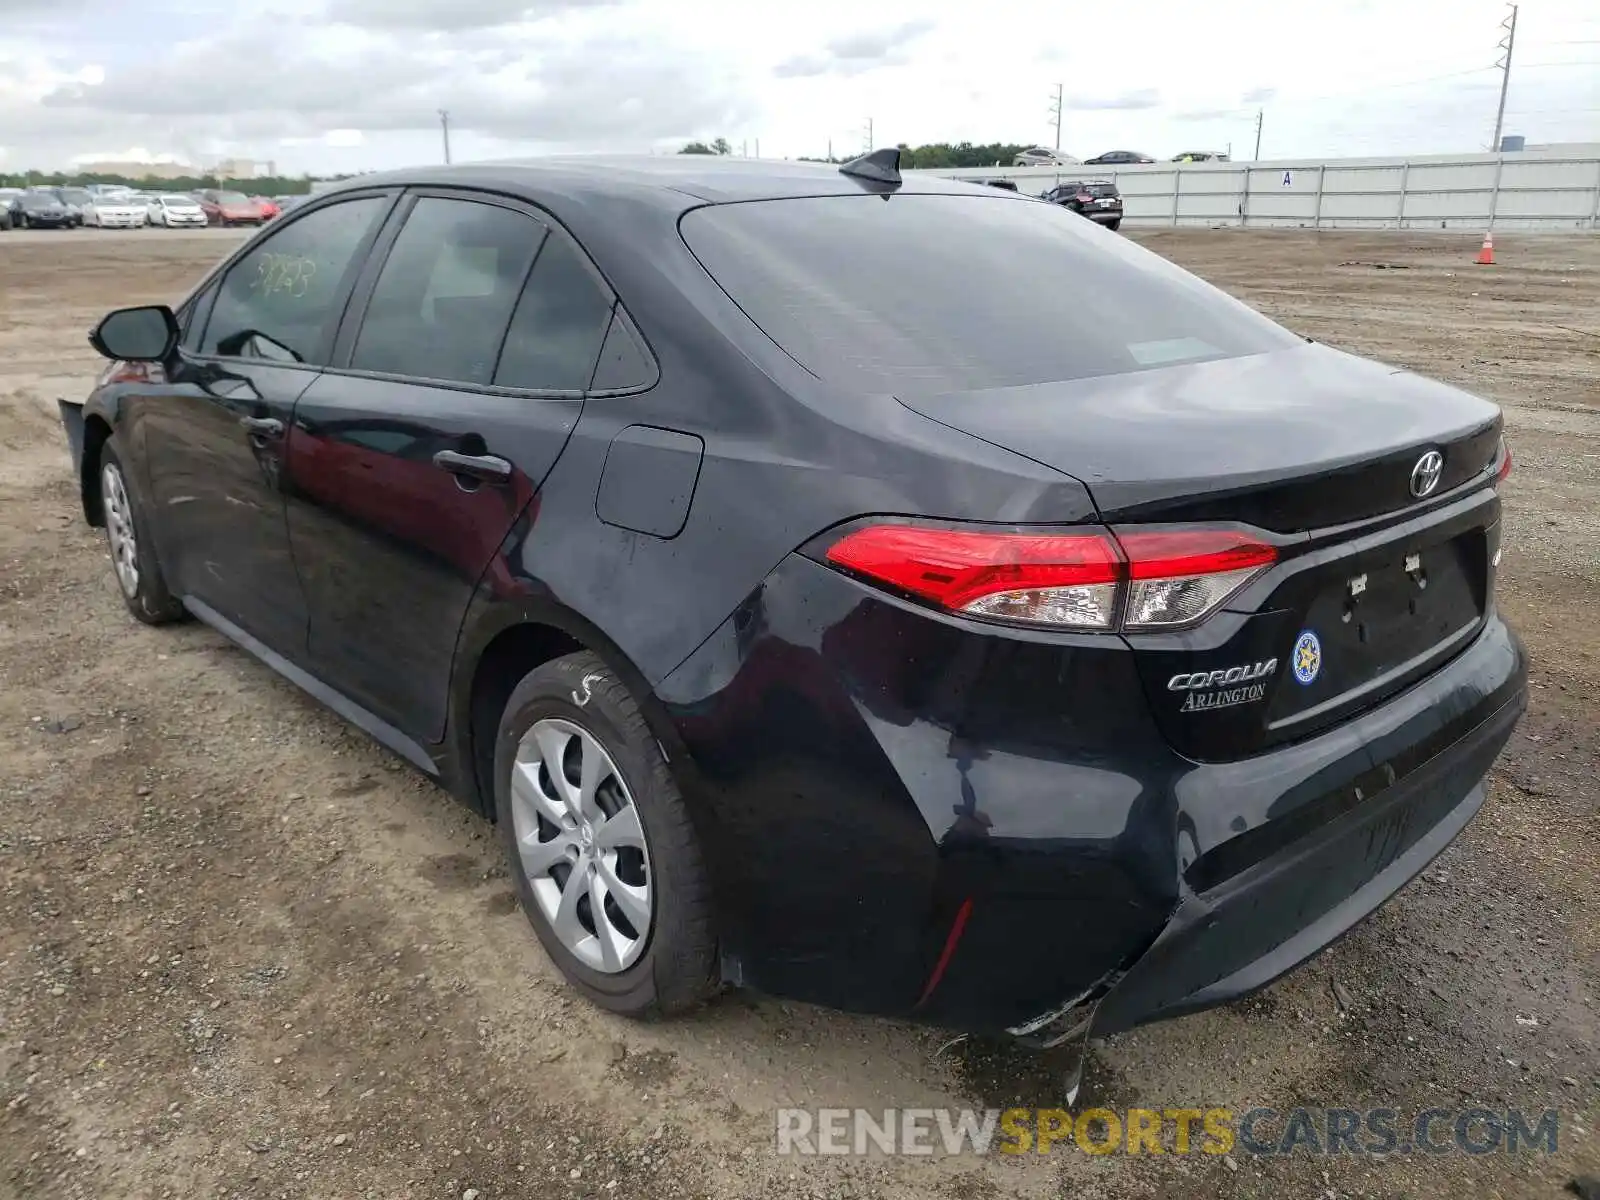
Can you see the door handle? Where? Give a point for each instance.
(266, 427)
(485, 467)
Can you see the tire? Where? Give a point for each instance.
(1114, 225)
(670, 966)
(22, 221)
(144, 590)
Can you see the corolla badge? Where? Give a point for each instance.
(1226, 688)
(1307, 658)
(1425, 475)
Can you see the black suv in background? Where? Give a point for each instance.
(1097, 199)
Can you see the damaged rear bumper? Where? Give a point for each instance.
(1246, 918)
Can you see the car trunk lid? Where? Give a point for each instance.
(1313, 451)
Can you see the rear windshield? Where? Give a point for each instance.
(961, 293)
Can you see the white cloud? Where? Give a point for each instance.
(355, 84)
(135, 154)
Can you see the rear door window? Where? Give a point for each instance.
(560, 323)
(931, 293)
(445, 296)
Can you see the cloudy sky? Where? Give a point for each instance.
(325, 85)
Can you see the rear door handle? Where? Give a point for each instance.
(486, 467)
(266, 427)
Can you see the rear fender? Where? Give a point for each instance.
(87, 425)
(494, 610)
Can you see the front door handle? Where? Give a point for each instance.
(265, 427)
(485, 467)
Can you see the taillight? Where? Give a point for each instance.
(1139, 581)
(1180, 576)
(1505, 462)
(133, 372)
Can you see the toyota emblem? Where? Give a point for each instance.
(1425, 475)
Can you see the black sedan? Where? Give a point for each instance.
(1112, 158)
(820, 603)
(41, 210)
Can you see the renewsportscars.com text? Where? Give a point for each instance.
(1216, 1131)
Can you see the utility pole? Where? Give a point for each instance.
(1055, 115)
(869, 135)
(1260, 117)
(830, 149)
(1506, 43)
(444, 128)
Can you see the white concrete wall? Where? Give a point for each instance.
(1552, 190)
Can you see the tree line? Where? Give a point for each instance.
(268, 185)
(934, 154)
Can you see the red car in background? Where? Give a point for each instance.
(269, 207)
(230, 208)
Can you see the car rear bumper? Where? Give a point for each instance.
(924, 817)
(1102, 215)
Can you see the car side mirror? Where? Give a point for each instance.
(145, 334)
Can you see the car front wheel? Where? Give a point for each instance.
(133, 560)
(1114, 225)
(599, 842)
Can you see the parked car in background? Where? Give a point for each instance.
(114, 211)
(1113, 158)
(41, 210)
(1005, 185)
(7, 195)
(175, 211)
(1043, 156)
(76, 200)
(1097, 199)
(1098, 651)
(268, 206)
(230, 208)
(285, 203)
(1200, 156)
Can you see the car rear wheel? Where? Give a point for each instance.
(133, 560)
(1114, 225)
(599, 842)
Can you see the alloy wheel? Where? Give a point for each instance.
(119, 528)
(582, 845)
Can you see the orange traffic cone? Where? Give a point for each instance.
(1486, 255)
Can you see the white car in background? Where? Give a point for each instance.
(175, 212)
(113, 212)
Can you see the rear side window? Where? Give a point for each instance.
(559, 325)
(446, 293)
(961, 293)
(281, 301)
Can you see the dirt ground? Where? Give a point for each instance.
(245, 952)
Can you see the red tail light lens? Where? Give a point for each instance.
(1505, 462)
(1139, 581)
(133, 372)
(1180, 576)
(1068, 580)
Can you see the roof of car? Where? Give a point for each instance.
(674, 179)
